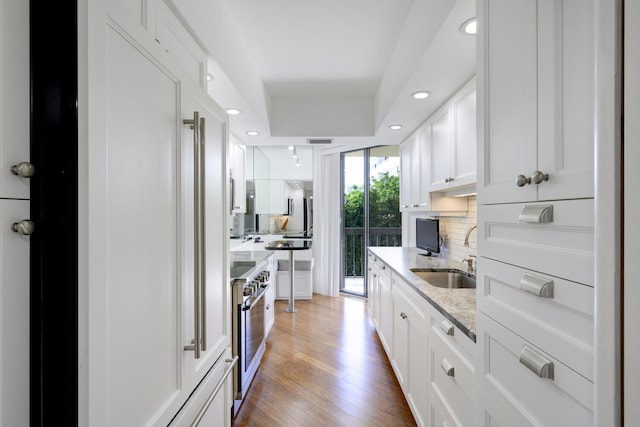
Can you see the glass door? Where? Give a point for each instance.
(370, 210)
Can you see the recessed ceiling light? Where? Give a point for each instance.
(469, 27)
(421, 94)
(395, 127)
(232, 111)
(253, 133)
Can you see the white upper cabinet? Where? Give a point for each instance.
(411, 196)
(538, 101)
(14, 102)
(238, 172)
(451, 141)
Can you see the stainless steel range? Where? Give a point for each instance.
(252, 280)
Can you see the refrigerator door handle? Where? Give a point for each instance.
(194, 124)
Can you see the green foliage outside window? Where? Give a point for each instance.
(384, 193)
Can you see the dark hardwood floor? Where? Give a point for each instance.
(324, 366)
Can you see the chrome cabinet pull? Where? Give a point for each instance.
(446, 327)
(538, 286)
(24, 227)
(536, 363)
(536, 214)
(197, 265)
(539, 177)
(23, 169)
(403, 315)
(522, 180)
(447, 367)
(212, 396)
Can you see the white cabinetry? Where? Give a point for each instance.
(14, 207)
(536, 68)
(148, 285)
(373, 293)
(239, 187)
(451, 142)
(536, 213)
(440, 155)
(433, 360)
(410, 347)
(385, 330)
(411, 195)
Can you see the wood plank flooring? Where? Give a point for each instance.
(324, 366)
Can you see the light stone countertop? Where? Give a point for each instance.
(457, 305)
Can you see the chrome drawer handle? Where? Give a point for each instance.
(538, 286)
(403, 315)
(536, 214)
(447, 367)
(447, 327)
(536, 363)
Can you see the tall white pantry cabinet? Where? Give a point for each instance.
(154, 274)
(535, 294)
(14, 208)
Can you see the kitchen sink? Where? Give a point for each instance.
(451, 279)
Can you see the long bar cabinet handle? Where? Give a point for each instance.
(215, 391)
(203, 252)
(194, 123)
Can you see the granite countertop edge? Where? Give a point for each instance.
(457, 305)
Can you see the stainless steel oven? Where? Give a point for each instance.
(248, 327)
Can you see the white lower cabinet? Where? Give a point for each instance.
(212, 401)
(385, 328)
(410, 347)
(373, 293)
(269, 307)
(531, 386)
(419, 342)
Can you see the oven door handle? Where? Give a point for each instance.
(246, 307)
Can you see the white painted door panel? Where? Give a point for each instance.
(562, 248)
(14, 207)
(217, 315)
(144, 265)
(544, 321)
(14, 316)
(441, 149)
(510, 82)
(566, 98)
(14, 96)
(527, 399)
(464, 157)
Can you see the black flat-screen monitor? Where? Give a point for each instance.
(428, 235)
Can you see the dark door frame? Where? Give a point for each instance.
(54, 209)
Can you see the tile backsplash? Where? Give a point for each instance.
(453, 230)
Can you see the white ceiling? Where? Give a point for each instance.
(342, 69)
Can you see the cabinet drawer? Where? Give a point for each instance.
(562, 320)
(456, 340)
(452, 383)
(564, 400)
(438, 414)
(562, 247)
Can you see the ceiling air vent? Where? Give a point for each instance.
(319, 141)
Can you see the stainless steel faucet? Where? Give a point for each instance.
(466, 238)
